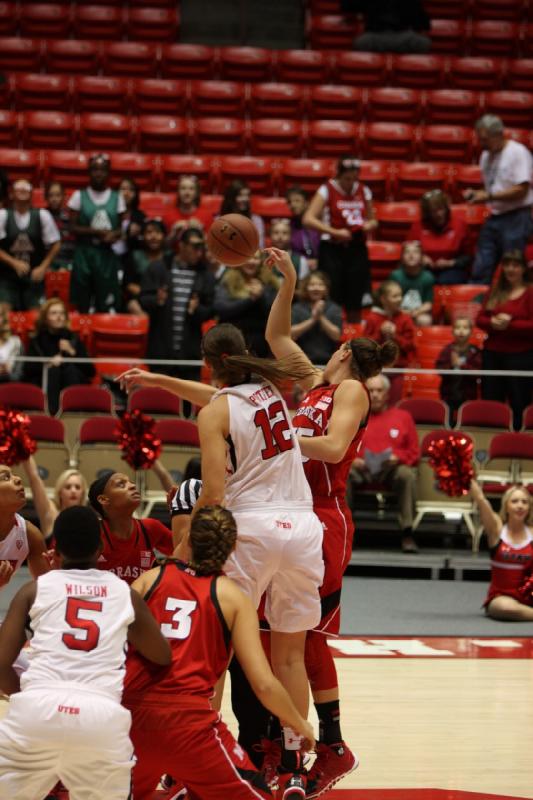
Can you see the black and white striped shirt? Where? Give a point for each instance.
(182, 283)
(185, 497)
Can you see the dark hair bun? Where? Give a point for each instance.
(388, 353)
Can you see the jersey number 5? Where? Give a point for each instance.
(87, 640)
(274, 426)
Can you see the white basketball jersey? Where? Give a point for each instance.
(264, 462)
(14, 548)
(80, 621)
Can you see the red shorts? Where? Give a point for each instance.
(195, 747)
(338, 526)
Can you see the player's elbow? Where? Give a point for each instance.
(263, 688)
(162, 655)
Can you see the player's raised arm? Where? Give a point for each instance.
(39, 559)
(145, 635)
(213, 428)
(195, 392)
(13, 637)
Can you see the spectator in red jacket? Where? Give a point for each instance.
(507, 317)
(444, 238)
(459, 355)
(390, 454)
(386, 321)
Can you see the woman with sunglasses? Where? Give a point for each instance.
(342, 211)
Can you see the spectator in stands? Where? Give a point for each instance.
(316, 320)
(237, 200)
(342, 211)
(510, 540)
(280, 237)
(507, 317)
(416, 282)
(153, 250)
(178, 300)
(54, 340)
(55, 204)
(188, 211)
(243, 297)
(507, 168)
(391, 26)
(11, 348)
(132, 220)
(460, 355)
(390, 455)
(96, 221)
(444, 238)
(385, 321)
(304, 241)
(29, 243)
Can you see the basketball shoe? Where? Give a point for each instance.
(271, 761)
(332, 763)
(291, 786)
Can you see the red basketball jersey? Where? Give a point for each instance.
(312, 419)
(346, 210)
(186, 607)
(129, 558)
(509, 563)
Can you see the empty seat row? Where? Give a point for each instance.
(452, 9)
(159, 134)
(270, 99)
(90, 20)
(196, 61)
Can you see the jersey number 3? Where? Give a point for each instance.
(180, 627)
(275, 428)
(89, 630)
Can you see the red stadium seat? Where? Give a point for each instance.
(474, 72)
(494, 38)
(157, 204)
(245, 63)
(461, 300)
(9, 135)
(100, 131)
(484, 414)
(388, 140)
(97, 22)
(270, 207)
(526, 44)
(377, 176)
(159, 96)
(474, 216)
(119, 335)
(46, 92)
(426, 411)
(21, 164)
(158, 133)
(389, 104)
(86, 398)
(416, 385)
(360, 69)
(157, 3)
(465, 176)
(48, 129)
(154, 401)
(307, 173)
(219, 135)
(521, 135)
(177, 431)
(413, 179)
(101, 94)
(336, 102)
(8, 19)
(384, 257)
(22, 396)
(44, 19)
(46, 429)
(68, 167)
(332, 32)
(74, 57)
(447, 35)
(499, 9)
(172, 166)
(445, 9)
(140, 168)
(328, 137)
(446, 143)
(418, 71)
(514, 108)
(527, 419)
(217, 98)
(98, 429)
(324, 6)
(301, 66)
(395, 220)
(451, 107)
(282, 100)
(153, 24)
(188, 61)
(130, 59)
(259, 173)
(519, 75)
(276, 136)
(17, 54)
(57, 284)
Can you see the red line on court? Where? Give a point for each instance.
(414, 794)
(432, 647)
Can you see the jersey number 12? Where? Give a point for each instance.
(275, 428)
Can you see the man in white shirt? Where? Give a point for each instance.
(29, 242)
(507, 168)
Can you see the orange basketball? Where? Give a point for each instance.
(233, 239)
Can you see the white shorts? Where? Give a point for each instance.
(80, 738)
(280, 553)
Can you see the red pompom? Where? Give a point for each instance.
(135, 432)
(525, 591)
(16, 443)
(451, 459)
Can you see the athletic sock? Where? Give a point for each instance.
(291, 755)
(329, 722)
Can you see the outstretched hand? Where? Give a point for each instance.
(134, 377)
(281, 260)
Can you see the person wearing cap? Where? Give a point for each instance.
(507, 318)
(342, 211)
(96, 219)
(153, 251)
(29, 243)
(129, 544)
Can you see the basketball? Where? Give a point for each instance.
(233, 239)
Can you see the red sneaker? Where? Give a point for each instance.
(292, 786)
(331, 764)
(271, 761)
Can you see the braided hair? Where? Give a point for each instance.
(369, 357)
(212, 538)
